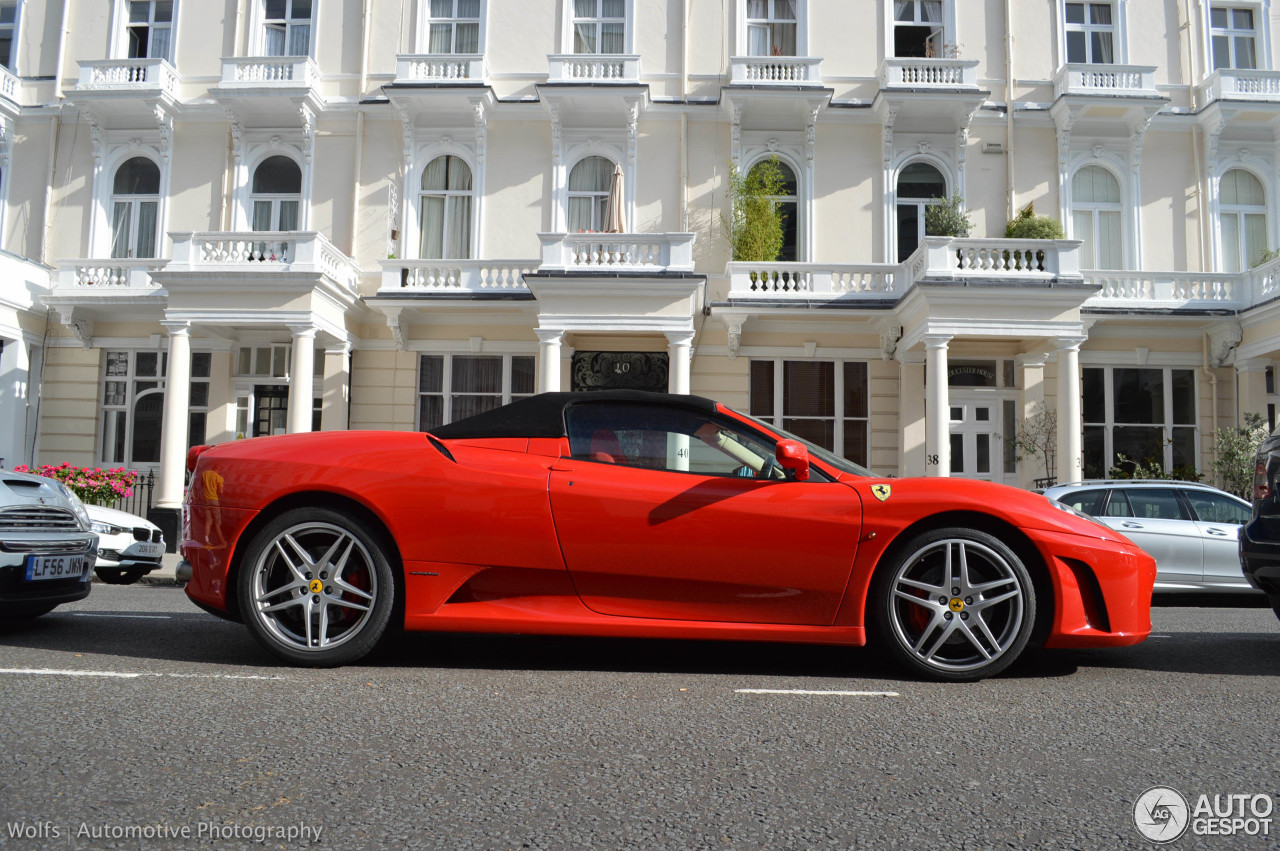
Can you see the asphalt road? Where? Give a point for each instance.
(132, 718)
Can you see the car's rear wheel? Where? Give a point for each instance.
(316, 587)
(954, 604)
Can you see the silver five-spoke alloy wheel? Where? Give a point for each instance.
(315, 588)
(959, 604)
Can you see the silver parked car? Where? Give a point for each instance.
(1190, 529)
(46, 549)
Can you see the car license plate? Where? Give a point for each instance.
(146, 548)
(56, 567)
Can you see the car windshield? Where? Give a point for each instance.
(826, 456)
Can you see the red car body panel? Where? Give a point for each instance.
(512, 535)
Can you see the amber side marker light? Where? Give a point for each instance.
(1261, 488)
(192, 454)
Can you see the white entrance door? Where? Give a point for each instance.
(977, 450)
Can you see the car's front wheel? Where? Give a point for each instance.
(316, 587)
(954, 604)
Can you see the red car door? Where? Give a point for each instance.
(650, 542)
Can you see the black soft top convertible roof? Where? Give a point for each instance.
(543, 415)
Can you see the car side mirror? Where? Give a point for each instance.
(793, 456)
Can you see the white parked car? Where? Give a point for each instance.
(129, 547)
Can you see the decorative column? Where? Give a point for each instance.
(680, 349)
(336, 388)
(173, 431)
(1070, 416)
(549, 343)
(1251, 381)
(911, 414)
(937, 406)
(302, 378)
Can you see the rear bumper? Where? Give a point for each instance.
(1260, 559)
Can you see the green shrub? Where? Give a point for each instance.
(754, 223)
(1027, 225)
(947, 218)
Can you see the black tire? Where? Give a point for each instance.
(111, 575)
(334, 622)
(132, 575)
(953, 604)
(1275, 605)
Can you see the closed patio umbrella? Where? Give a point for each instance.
(613, 221)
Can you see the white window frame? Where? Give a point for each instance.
(446, 393)
(135, 203)
(256, 153)
(569, 15)
(600, 199)
(745, 23)
(448, 195)
(262, 22)
(1094, 208)
(797, 199)
(948, 180)
(948, 23)
(1240, 211)
(426, 19)
(1089, 28)
(275, 198)
(16, 31)
(1261, 42)
(1167, 424)
(840, 417)
(131, 396)
(120, 25)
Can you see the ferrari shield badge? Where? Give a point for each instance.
(881, 491)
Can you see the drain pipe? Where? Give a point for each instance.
(1008, 108)
(684, 115)
(1213, 391)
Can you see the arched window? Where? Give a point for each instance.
(1096, 218)
(786, 201)
(135, 204)
(445, 210)
(589, 194)
(276, 194)
(919, 185)
(1242, 213)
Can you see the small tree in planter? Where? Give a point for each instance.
(754, 221)
(1037, 440)
(947, 218)
(1237, 448)
(1027, 225)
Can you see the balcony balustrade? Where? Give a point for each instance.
(8, 85)
(139, 75)
(440, 68)
(775, 70)
(268, 71)
(455, 277)
(617, 252)
(1113, 80)
(924, 73)
(109, 274)
(1241, 84)
(592, 68)
(263, 253)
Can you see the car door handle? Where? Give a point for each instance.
(1217, 532)
(1129, 524)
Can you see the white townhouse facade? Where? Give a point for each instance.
(225, 219)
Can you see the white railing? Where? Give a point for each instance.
(456, 277)
(109, 273)
(1136, 80)
(156, 74)
(944, 257)
(801, 281)
(267, 252)
(441, 68)
(776, 70)
(269, 71)
(1240, 84)
(587, 68)
(929, 73)
(1165, 289)
(617, 252)
(8, 84)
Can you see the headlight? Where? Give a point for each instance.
(106, 528)
(1062, 506)
(76, 506)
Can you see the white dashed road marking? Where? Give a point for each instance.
(806, 691)
(110, 615)
(128, 675)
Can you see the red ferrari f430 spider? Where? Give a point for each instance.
(620, 513)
